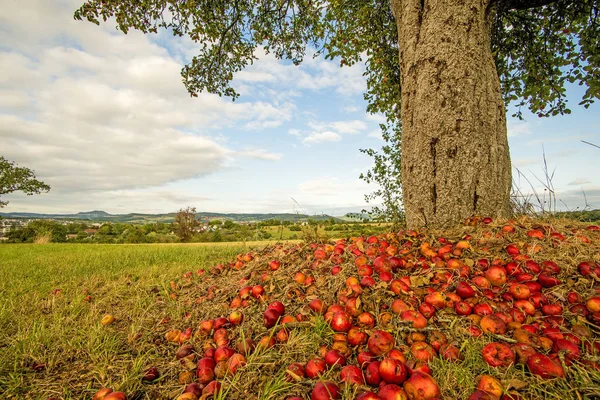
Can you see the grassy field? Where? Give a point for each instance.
(48, 332)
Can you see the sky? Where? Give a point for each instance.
(104, 119)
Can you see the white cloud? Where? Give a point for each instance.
(348, 127)
(377, 118)
(375, 134)
(260, 154)
(351, 109)
(580, 181)
(322, 137)
(518, 128)
(92, 109)
(313, 74)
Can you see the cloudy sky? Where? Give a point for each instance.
(105, 120)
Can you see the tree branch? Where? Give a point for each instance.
(527, 4)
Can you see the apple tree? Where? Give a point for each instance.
(441, 71)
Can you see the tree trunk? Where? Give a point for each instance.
(455, 158)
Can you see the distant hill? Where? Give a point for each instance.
(103, 216)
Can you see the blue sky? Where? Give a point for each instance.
(105, 120)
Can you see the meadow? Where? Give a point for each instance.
(49, 330)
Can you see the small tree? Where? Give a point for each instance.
(15, 179)
(185, 222)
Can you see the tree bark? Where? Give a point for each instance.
(455, 157)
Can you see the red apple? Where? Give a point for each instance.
(372, 376)
(341, 321)
(422, 351)
(212, 388)
(236, 318)
(399, 306)
(278, 306)
(381, 342)
(393, 371)
(274, 265)
(295, 372)
(334, 357)
(415, 318)
(235, 362)
(492, 324)
(463, 308)
(365, 357)
(449, 352)
(318, 306)
(356, 337)
(257, 291)
(325, 391)
(102, 393)
(220, 322)
(116, 396)
(545, 367)
(593, 304)
(483, 309)
(570, 349)
(496, 275)
(464, 290)
(270, 317)
(421, 387)
(352, 374)
(194, 389)
(315, 367)
(498, 355)
(392, 392)
(223, 353)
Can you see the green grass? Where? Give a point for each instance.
(64, 332)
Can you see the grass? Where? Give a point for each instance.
(61, 331)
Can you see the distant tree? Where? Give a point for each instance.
(243, 233)
(185, 222)
(136, 235)
(18, 179)
(55, 231)
(229, 224)
(216, 237)
(105, 229)
(21, 235)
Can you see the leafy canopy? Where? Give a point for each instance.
(14, 178)
(539, 45)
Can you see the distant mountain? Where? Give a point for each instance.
(103, 216)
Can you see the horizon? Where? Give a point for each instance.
(104, 119)
(171, 212)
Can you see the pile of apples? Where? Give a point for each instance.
(401, 300)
